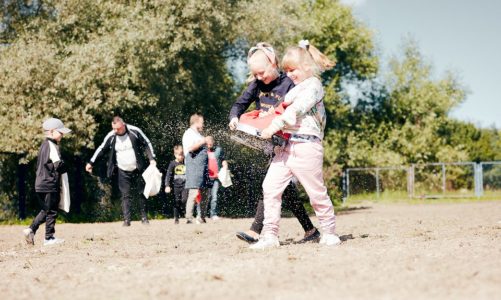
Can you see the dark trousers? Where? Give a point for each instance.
(180, 197)
(48, 214)
(290, 200)
(129, 183)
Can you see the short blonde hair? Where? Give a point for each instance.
(299, 57)
(266, 53)
(265, 49)
(195, 117)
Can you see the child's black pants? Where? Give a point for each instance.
(48, 214)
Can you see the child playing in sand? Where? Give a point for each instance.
(267, 88)
(304, 119)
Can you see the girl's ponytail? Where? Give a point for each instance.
(322, 61)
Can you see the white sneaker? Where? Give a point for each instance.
(52, 241)
(29, 236)
(330, 239)
(267, 241)
(215, 218)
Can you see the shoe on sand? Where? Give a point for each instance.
(330, 239)
(267, 241)
(52, 241)
(312, 237)
(246, 237)
(29, 236)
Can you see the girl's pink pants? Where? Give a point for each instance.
(303, 160)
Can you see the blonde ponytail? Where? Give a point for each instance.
(321, 59)
(307, 55)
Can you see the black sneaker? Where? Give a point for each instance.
(189, 221)
(145, 221)
(311, 238)
(246, 238)
(126, 223)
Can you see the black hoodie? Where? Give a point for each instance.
(48, 179)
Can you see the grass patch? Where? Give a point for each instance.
(402, 197)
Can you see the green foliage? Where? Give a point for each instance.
(406, 123)
(157, 62)
(94, 57)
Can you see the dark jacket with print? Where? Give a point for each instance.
(48, 179)
(176, 174)
(140, 143)
(264, 95)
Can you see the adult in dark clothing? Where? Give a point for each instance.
(267, 91)
(175, 180)
(124, 146)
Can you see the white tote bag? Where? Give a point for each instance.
(64, 201)
(225, 177)
(153, 179)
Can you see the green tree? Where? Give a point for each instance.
(406, 124)
(95, 57)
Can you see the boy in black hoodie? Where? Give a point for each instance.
(50, 166)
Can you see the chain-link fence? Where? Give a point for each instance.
(431, 180)
(387, 182)
(490, 181)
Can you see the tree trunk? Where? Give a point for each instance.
(21, 189)
(79, 185)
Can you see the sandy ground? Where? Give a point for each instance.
(397, 251)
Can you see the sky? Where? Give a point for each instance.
(461, 36)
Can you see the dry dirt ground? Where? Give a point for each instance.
(391, 251)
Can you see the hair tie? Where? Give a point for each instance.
(268, 51)
(305, 44)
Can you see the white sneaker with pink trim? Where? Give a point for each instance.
(330, 239)
(265, 242)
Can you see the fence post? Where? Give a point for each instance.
(343, 186)
(347, 184)
(377, 183)
(21, 189)
(410, 182)
(443, 179)
(479, 180)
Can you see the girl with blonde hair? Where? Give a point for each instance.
(266, 88)
(305, 119)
